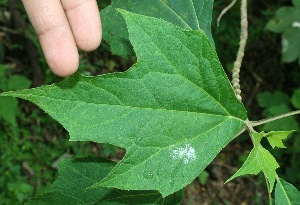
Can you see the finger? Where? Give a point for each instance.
(55, 35)
(84, 18)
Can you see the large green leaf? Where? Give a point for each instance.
(286, 193)
(76, 176)
(173, 111)
(259, 160)
(186, 14)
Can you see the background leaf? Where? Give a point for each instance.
(268, 99)
(296, 98)
(287, 22)
(17, 82)
(277, 103)
(258, 160)
(275, 138)
(9, 109)
(186, 14)
(76, 176)
(165, 111)
(286, 193)
(296, 3)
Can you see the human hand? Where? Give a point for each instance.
(62, 25)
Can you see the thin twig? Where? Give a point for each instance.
(271, 119)
(240, 54)
(224, 11)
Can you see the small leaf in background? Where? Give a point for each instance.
(21, 190)
(9, 110)
(286, 194)
(203, 177)
(291, 43)
(296, 98)
(169, 107)
(287, 22)
(77, 175)
(277, 103)
(296, 3)
(268, 99)
(8, 105)
(17, 82)
(189, 15)
(275, 138)
(259, 160)
(288, 123)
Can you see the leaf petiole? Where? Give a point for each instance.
(268, 188)
(271, 119)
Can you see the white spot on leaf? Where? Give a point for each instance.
(296, 24)
(186, 153)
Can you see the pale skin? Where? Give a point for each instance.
(62, 26)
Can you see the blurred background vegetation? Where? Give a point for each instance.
(32, 143)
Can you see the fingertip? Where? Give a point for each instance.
(90, 42)
(60, 50)
(64, 64)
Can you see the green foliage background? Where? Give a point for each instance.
(31, 142)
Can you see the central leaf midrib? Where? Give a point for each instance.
(133, 107)
(177, 74)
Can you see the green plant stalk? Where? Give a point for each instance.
(271, 119)
(268, 188)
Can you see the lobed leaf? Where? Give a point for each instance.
(77, 175)
(275, 138)
(173, 111)
(186, 14)
(286, 193)
(259, 160)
